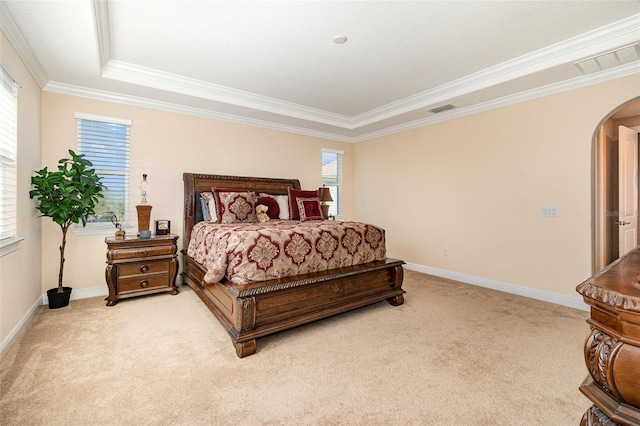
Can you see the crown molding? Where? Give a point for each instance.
(585, 45)
(103, 30)
(589, 44)
(102, 95)
(148, 77)
(576, 83)
(15, 37)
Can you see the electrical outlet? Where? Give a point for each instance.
(549, 211)
(445, 252)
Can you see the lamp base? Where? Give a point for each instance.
(325, 210)
(144, 217)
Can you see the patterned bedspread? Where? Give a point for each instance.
(251, 252)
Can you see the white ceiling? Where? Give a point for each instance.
(274, 63)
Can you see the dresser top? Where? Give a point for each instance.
(134, 239)
(617, 285)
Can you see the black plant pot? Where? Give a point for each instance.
(59, 300)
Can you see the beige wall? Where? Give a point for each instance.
(476, 185)
(20, 286)
(473, 185)
(164, 145)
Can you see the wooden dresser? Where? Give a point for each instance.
(612, 347)
(141, 266)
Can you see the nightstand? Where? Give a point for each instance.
(141, 266)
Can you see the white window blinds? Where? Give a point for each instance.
(332, 178)
(105, 142)
(8, 157)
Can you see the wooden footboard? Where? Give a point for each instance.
(255, 310)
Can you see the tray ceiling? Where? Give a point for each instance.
(275, 63)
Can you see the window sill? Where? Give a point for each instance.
(81, 231)
(10, 246)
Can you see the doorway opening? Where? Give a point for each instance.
(615, 188)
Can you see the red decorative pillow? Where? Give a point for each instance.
(274, 211)
(233, 206)
(294, 194)
(309, 208)
(283, 204)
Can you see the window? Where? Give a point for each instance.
(105, 142)
(332, 178)
(8, 158)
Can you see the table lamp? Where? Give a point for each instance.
(325, 195)
(144, 210)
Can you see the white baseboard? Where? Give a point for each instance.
(85, 293)
(546, 296)
(17, 331)
(81, 293)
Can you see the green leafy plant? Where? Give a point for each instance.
(68, 195)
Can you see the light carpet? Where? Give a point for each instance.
(453, 354)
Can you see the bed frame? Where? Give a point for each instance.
(255, 310)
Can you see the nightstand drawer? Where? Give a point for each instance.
(141, 268)
(143, 282)
(133, 253)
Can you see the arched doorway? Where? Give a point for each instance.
(606, 223)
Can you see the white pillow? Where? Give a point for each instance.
(283, 204)
(213, 213)
(204, 207)
(211, 206)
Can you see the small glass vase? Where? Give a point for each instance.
(144, 189)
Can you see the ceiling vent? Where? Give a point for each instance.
(607, 60)
(442, 108)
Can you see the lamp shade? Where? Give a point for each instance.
(324, 194)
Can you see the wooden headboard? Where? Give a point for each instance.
(195, 183)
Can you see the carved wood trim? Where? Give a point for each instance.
(335, 287)
(609, 297)
(198, 182)
(245, 319)
(595, 417)
(614, 409)
(285, 283)
(241, 315)
(189, 208)
(599, 352)
(398, 277)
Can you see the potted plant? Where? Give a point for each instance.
(68, 195)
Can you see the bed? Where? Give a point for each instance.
(253, 309)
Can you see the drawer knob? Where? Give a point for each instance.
(144, 283)
(144, 268)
